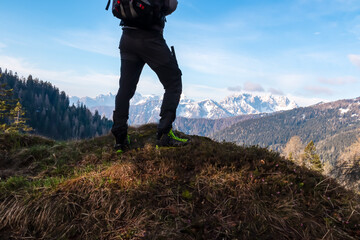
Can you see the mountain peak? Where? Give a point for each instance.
(247, 103)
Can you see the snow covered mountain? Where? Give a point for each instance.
(253, 104)
(146, 108)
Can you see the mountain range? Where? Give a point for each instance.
(146, 108)
(246, 119)
(332, 126)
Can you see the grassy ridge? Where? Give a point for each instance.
(206, 190)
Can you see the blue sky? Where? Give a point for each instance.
(306, 50)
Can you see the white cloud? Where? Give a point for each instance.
(235, 89)
(275, 91)
(354, 59)
(253, 87)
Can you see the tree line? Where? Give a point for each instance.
(46, 109)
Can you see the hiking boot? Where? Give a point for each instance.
(122, 145)
(170, 140)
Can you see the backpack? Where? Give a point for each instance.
(140, 13)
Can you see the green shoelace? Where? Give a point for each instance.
(172, 135)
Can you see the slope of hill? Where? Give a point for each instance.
(205, 190)
(317, 123)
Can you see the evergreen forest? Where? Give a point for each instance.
(46, 110)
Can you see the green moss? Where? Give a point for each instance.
(186, 195)
(22, 184)
(14, 183)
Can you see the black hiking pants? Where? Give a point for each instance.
(138, 47)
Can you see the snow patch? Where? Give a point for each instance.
(343, 111)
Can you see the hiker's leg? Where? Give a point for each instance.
(164, 64)
(131, 67)
(155, 52)
(170, 77)
(130, 73)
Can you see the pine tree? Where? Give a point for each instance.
(11, 115)
(18, 122)
(6, 104)
(310, 158)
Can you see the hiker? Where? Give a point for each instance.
(142, 44)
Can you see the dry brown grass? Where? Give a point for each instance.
(205, 190)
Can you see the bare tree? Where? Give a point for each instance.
(347, 169)
(294, 149)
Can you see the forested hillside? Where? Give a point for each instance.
(48, 112)
(206, 127)
(316, 123)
